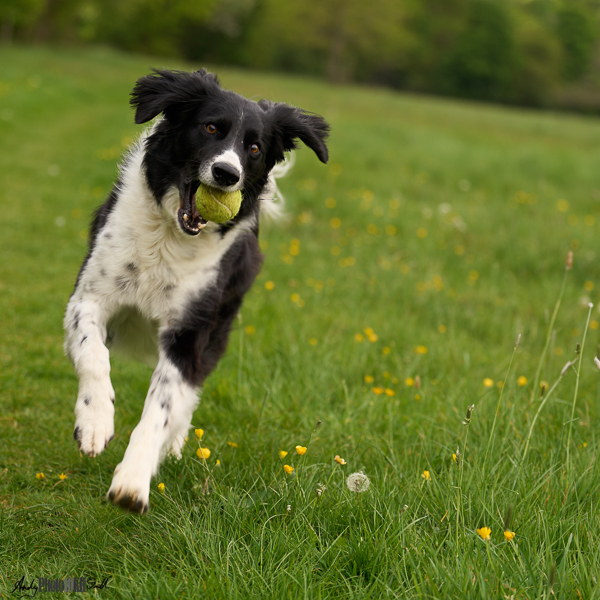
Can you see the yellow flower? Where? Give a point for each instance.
(485, 533)
(522, 380)
(425, 475)
(301, 450)
(282, 454)
(509, 535)
(218, 463)
(390, 392)
(232, 444)
(359, 337)
(386, 350)
(373, 338)
(488, 383)
(454, 457)
(289, 470)
(378, 390)
(203, 453)
(421, 349)
(409, 381)
(249, 329)
(369, 331)
(62, 476)
(199, 433)
(369, 379)
(40, 476)
(161, 488)
(339, 460)
(313, 341)
(269, 285)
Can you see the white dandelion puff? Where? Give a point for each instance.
(358, 482)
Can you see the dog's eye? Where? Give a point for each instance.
(254, 149)
(211, 128)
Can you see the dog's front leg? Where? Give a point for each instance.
(84, 344)
(166, 417)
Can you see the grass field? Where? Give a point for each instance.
(390, 301)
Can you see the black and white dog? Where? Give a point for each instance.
(159, 281)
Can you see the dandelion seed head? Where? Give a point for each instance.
(358, 482)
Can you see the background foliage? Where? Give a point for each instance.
(530, 52)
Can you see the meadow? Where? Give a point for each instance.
(422, 271)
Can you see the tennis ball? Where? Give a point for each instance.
(217, 206)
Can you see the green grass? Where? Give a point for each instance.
(448, 238)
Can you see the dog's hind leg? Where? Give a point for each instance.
(168, 410)
(84, 344)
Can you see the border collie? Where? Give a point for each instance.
(159, 281)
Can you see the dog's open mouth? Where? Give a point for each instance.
(190, 220)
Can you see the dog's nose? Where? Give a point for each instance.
(225, 174)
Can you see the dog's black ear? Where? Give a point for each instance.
(289, 124)
(170, 92)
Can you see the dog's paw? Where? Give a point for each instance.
(176, 447)
(130, 490)
(94, 425)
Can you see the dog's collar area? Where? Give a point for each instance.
(190, 220)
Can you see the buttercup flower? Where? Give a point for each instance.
(301, 450)
(522, 380)
(509, 535)
(339, 460)
(232, 444)
(62, 476)
(40, 476)
(369, 379)
(378, 390)
(199, 433)
(282, 454)
(485, 533)
(488, 383)
(425, 475)
(358, 482)
(421, 349)
(203, 453)
(289, 470)
(161, 488)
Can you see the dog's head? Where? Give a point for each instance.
(215, 137)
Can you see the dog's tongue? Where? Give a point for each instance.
(189, 218)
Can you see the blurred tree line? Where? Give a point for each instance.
(528, 52)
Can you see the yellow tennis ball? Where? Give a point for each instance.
(217, 206)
